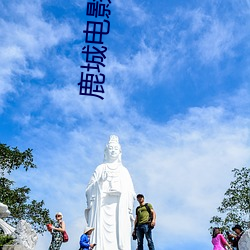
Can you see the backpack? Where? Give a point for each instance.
(149, 212)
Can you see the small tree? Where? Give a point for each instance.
(235, 206)
(17, 199)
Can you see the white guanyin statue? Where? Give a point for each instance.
(110, 198)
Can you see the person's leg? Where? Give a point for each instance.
(56, 244)
(148, 235)
(140, 231)
(51, 247)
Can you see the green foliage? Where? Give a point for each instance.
(12, 159)
(17, 199)
(6, 240)
(235, 206)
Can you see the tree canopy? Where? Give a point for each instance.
(235, 207)
(17, 199)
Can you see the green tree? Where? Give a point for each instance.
(17, 199)
(235, 207)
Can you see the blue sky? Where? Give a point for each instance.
(177, 94)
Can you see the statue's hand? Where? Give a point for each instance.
(90, 201)
(104, 176)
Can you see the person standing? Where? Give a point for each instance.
(143, 225)
(239, 231)
(85, 239)
(56, 231)
(218, 240)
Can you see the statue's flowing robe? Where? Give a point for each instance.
(110, 197)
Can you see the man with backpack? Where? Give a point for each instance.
(144, 223)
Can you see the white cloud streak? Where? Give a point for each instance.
(26, 40)
(131, 12)
(216, 43)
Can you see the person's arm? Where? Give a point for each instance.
(232, 235)
(154, 217)
(92, 246)
(135, 224)
(224, 242)
(84, 241)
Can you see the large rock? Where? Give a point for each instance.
(4, 212)
(244, 242)
(25, 235)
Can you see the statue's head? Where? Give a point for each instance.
(113, 150)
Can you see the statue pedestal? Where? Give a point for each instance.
(13, 247)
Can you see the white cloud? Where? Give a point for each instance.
(217, 42)
(143, 64)
(168, 45)
(131, 12)
(195, 34)
(25, 37)
(198, 19)
(68, 100)
(133, 71)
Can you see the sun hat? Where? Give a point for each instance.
(59, 213)
(237, 227)
(87, 229)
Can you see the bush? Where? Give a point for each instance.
(6, 240)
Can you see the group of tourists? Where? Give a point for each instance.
(144, 223)
(219, 241)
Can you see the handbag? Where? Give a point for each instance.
(49, 227)
(65, 236)
(134, 235)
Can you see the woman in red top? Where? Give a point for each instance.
(218, 240)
